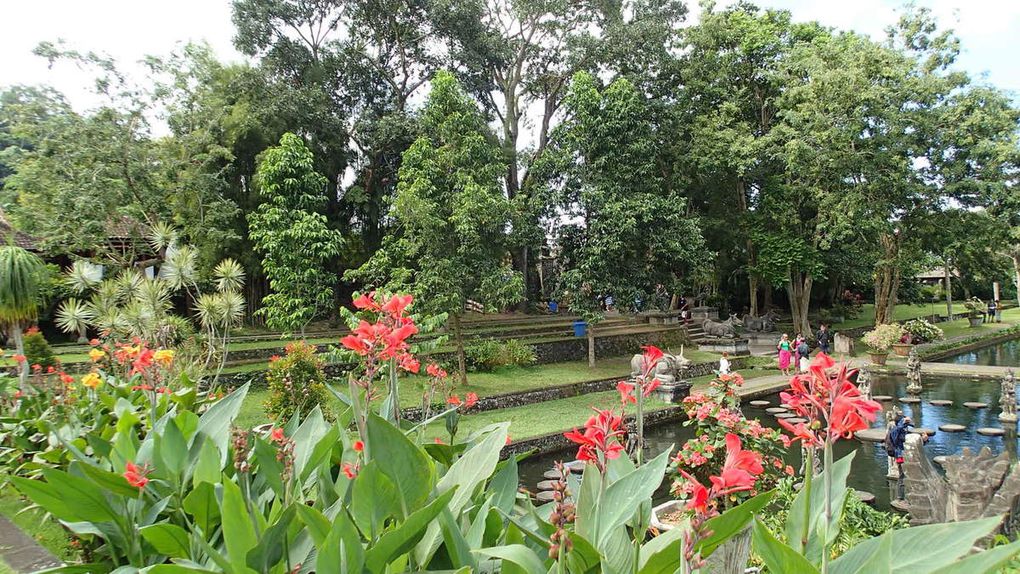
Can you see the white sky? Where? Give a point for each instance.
(130, 29)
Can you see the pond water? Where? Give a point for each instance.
(1005, 354)
(869, 466)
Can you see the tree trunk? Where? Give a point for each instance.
(1016, 274)
(459, 341)
(767, 299)
(591, 345)
(799, 290)
(949, 290)
(753, 285)
(82, 334)
(887, 279)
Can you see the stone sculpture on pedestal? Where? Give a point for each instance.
(1007, 400)
(670, 371)
(914, 373)
(864, 383)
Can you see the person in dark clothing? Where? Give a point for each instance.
(993, 306)
(824, 338)
(895, 441)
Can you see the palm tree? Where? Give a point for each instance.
(19, 289)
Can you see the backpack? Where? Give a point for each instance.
(890, 448)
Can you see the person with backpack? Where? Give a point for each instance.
(895, 441)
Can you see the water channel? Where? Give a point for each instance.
(869, 466)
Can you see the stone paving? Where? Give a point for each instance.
(22, 553)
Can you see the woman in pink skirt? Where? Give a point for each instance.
(785, 354)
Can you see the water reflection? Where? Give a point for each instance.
(1005, 354)
(870, 465)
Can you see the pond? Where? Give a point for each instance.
(1006, 354)
(869, 467)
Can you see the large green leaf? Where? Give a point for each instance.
(342, 550)
(215, 422)
(518, 555)
(111, 481)
(727, 524)
(504, 485)
(315, 522)
(472, 469)
(238, 529)
(207, 465)
(171, 449)
(68, 497)
(373, 500)
(269, 550)
(168, 539)
(583, 558)
(270, 468)
(985, 562)
(623, 497)
(921, 548)
(202, 505)
(408, 467)
(320, 454)
(313, 428)
(778, 556)
(661, 555)
(457, 547)
(811, 531)
(587, 502)
(403, 537)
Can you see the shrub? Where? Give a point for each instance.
(975, 307)
(489, 355)
(38, 350)
(922, 331)
(296, 382)
(883, 336)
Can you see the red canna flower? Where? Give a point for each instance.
(508, 439)
(435, 371)
(276, 435)
(408, 363)
(274, 358)
(51, 369)
(366, 301)
(349, 470)
(740, 469)
(651, 355)
(136, 476)
(94, 342)
(438, 441)
(600, 440)
(626, 391)
(66, 379)
(453, 400)
(470, 400)
(698, 502)
(37, 368)
(397, 304)
(18, 358)
(358, 446)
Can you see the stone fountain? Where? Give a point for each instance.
(1007, 398)
(914, 373)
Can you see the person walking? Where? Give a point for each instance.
(724, 364)
(803, 354)
(993, 311)
(685, 309)
(824, 338)
(785, 354)
(895, 441)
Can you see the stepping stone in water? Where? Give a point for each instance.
(871, 435)
(941, 403)
(784, 415)
(951, 427)
(865, 496)
(774, 410)
(923, 430)
(575, 466)
(884, 398)
(544, 496)
(552, 474)
(796, 420)
(900, 505)
(939, 460)
(991, 431)
(547, 484)
(910, 400)
(975, 405)
(759, 403)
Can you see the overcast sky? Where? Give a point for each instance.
(130, 29)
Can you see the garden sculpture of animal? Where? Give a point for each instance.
(725, 328)
(764, 324)
(667, 369)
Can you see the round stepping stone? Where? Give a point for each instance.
(923, 430)
(952, 427)
(910, 400)
(784, 415)
(552, 474)
(975, 405)
(884, 398)
(939, 460)
(796, 420)
(991, 431)
(941, 402)
(865, 496)
(547, 484)
(759, 403)
(774, 410)
(575, 466)
(900, 505)
(871, 435)
(545, 496)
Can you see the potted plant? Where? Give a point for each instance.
(880, 339)
(922, 331)
(902, 347)
(976, 310)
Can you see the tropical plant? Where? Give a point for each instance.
(921, 331)
(884, 336)
(19, 286)
(296, 383)
(975, 307)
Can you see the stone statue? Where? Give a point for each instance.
(727, 328)
(914, 373)
(667, 370)
(764, 324)
(1007, 398)
(864, 383)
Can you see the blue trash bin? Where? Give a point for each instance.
(580, 329)
(554, 307)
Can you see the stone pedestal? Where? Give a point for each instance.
(699, 314)
(673, 392)
(732, 346)
(761, 339)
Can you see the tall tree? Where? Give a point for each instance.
(629, 228)
(292, 236)
(20, 278)
(450, 215)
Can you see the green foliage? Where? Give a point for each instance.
(297, 383)
(489, 355)
(883, 336)
(921, 331)
(293, 238)
(20, 275)
(38, 350)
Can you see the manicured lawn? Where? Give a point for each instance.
(903, 312)
(36, 524)
(962, 326)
